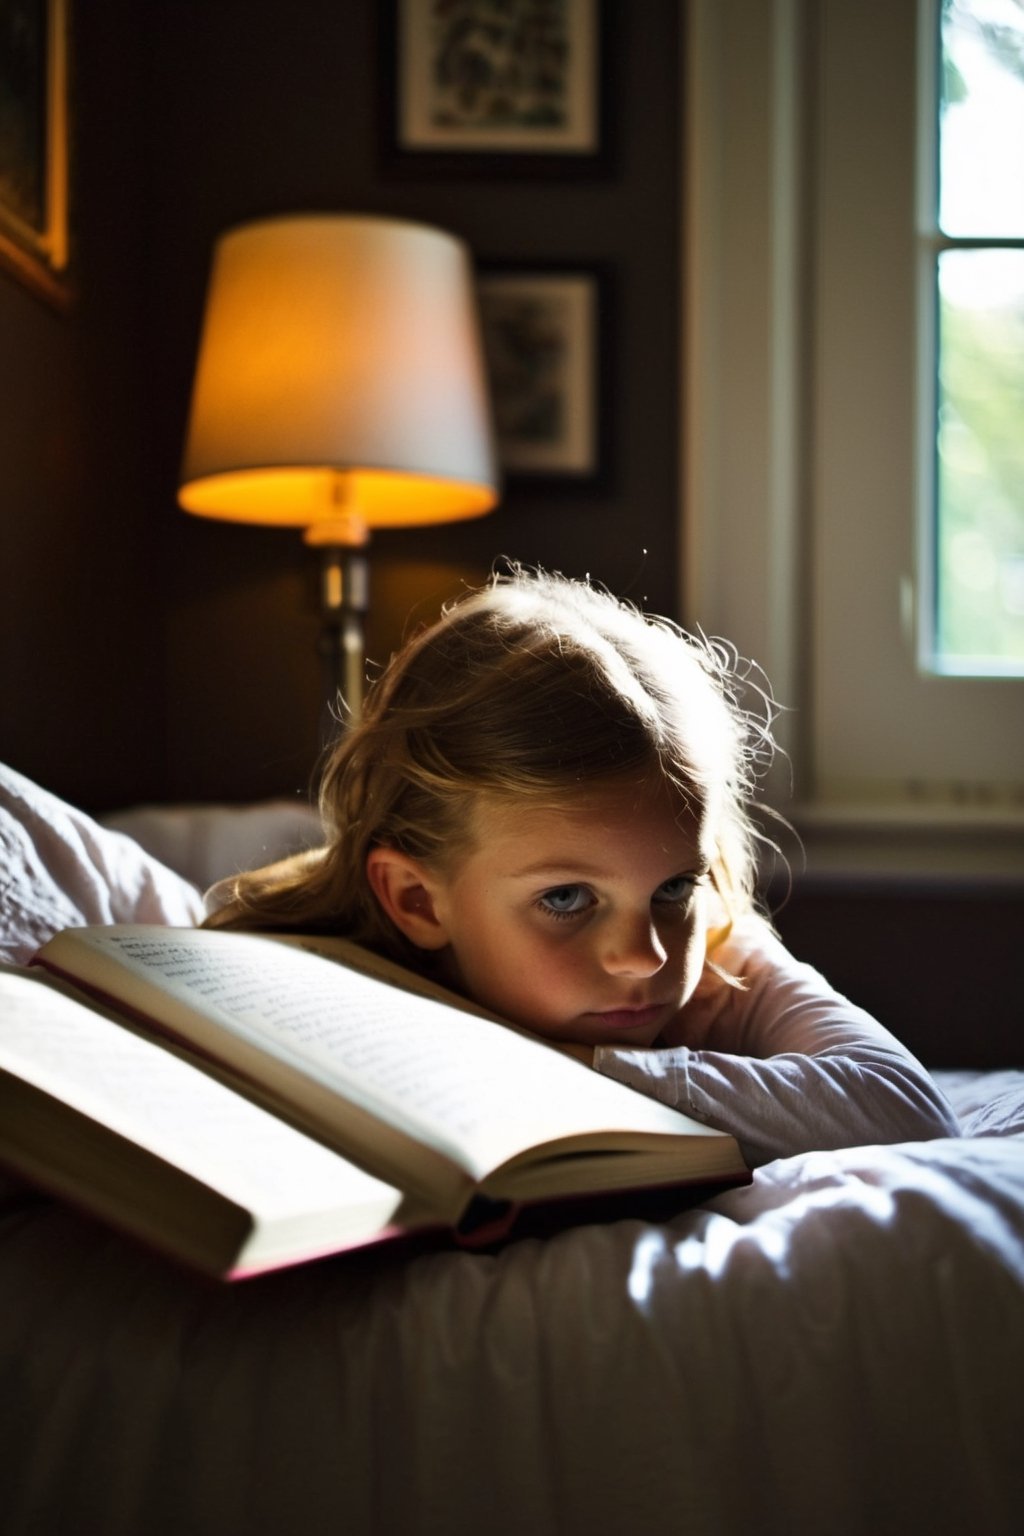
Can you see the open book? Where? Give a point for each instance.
(368, 1102)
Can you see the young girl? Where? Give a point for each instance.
(547, 806)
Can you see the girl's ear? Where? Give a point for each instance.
(407, 893)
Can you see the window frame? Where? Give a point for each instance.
(767, 442)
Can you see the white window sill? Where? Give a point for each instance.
(938, 847)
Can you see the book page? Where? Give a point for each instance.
(475, 1091)
(144, 1092)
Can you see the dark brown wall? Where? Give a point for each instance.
(150, 655)
(81, 631)
(933, 960)
(277, 121)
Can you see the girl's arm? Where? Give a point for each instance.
(785, 1065)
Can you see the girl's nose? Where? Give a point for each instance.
(632, 947)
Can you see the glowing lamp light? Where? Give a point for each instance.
(340, 387)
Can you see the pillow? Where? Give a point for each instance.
(61, 869)
(208, 843)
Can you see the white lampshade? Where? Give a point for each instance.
(340, 380)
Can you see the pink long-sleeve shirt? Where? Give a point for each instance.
(786, 1064)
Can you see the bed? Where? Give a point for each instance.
(837, 1348)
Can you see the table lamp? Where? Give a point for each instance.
(340, 386)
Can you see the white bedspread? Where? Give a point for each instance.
(836, 1349)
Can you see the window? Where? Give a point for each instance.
(973, 227)
(812, 267)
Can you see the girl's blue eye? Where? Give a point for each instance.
(676, 891)
(566, 900)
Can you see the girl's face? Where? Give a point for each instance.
(586, 924)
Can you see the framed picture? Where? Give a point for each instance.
(471, 84)
(34, 145)
(542, 339)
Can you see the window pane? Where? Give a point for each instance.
(980, 573)
(981, 163)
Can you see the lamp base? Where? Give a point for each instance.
(344, 600)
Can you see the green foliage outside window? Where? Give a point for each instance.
(980, 479)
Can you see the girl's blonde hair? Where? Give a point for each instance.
(529, 690)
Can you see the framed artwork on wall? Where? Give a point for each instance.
(511, 85)
(543, 344)
(34, 145)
